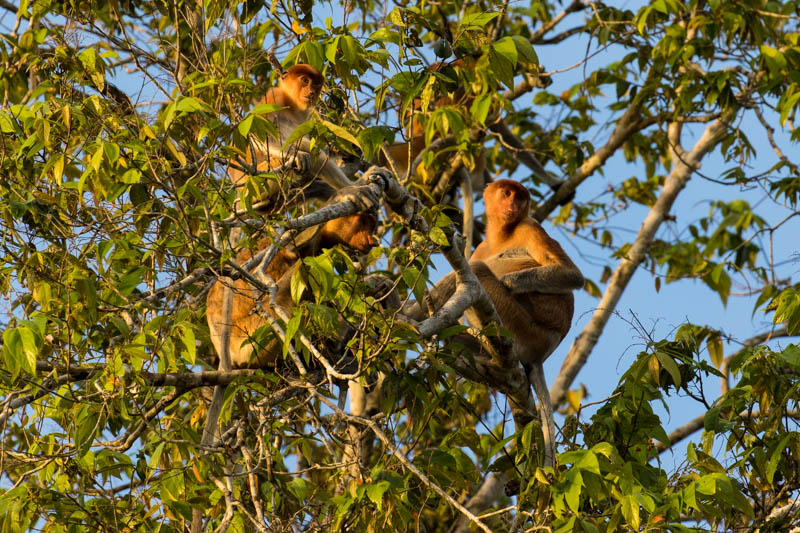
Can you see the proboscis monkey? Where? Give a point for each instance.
(298, 91)
(404, 153)
(530, 280)
(353, 231)
(248, 303)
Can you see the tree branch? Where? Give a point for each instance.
(628, 124)
(680, 175)
(697, 423)
(523, 153)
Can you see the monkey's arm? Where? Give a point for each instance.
(544, 279)
(550, 270)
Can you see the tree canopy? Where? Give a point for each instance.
(119, 122)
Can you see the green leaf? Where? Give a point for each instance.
(168, 114)
(85, 426)
(386, 35)
(245, 125)
(131, 280)
(714, 345)
(668, 363)
(415, 281)
(498, 446)
(476, 20)
(589, 463)
(172, 487)
(297, 286)
(291, 329)
(787, 105)
(299, 132)
(573, 494)
(331, 49)
(371, 139)
(502, 68)
(788, 310)
(507, 49)
(188, 104)
(375, 492)
(525, 49)
(603, 448)
(30, 351)
(341, 132)
(480, 108)
(775, 60)
(264, 109)
(711, 419)
(351, 49)
(630, 510)
(776, 455)
(9, 125)
(439, 237)
(314, 53)
(188, 339)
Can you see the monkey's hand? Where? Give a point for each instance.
(301, 162)
(547, 279)
(361, 192)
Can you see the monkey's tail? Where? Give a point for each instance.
(545, 408)
(215, 408)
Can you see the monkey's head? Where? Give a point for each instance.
(355, 231)
(303, 84)
(507, 201)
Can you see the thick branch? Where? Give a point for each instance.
(696, 424)
(576, 5)
(676, 181)
(628, 124)
(8, 6)
(183, 380)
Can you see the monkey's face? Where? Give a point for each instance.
(305, 88)
(507, 201)
(303, 84)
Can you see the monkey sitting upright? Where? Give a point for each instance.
(526, 273)
(298, 92)
(530, 280)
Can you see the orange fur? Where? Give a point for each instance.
(516, 245)
(354, 231)
(530, 281)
